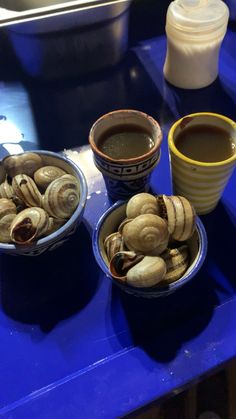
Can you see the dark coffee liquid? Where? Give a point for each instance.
(205, 143)
(125, 142)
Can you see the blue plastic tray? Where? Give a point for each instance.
(71, 344)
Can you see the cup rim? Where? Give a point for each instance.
(174, 149)
(133, 159)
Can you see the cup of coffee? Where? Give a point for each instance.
(202, 149)
(126, 148)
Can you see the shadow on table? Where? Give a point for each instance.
(161, 326)
(213, 98)
(220, 227)
(50, 287)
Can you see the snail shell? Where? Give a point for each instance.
(29, 224)
(145, 233)
(122, 224)
(26, 189)
(54, 224)
(6, 207)
(161, 247)
(142, 203)
(26, 163)
(147, 273)
(113, 244)
(62, 196)
(6, 190)
(46, 174)
(121, 262)
(5, 224)
(180, 216)
(177, 262)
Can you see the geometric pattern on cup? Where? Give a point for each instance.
(125, 169)
(120, 189)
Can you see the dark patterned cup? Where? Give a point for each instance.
(126, 174)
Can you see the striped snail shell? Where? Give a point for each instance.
(142, 203)
(5, 224)
(177, 262)
(122, 224)
(6, 190)
(113, 244)
(179, 214)
(62, 196)
(6, 207)
(46, 174)
(145, 233)
(54, 224)
(28, 225)
(26, 163)
(26, 189)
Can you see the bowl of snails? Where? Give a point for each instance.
(150, 246)
(42, 199)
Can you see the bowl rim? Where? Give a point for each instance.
(165, 290)
(83, 197)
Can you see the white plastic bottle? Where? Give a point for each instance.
(195, 30)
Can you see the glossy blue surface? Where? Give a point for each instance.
(73, 345)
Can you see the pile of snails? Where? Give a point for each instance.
(35, 198)
(150, 246)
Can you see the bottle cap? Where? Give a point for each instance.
(197, 15)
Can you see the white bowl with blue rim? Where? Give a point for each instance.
(108, 224)
(58, 237)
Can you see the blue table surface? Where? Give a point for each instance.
(72, 345)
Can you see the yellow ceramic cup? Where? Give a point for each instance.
(200, 182)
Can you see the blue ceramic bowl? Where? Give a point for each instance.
(63, 233)
(109, 223)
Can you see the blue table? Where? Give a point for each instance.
(71, 344)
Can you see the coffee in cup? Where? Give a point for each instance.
(202, 150)
(126, 148)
